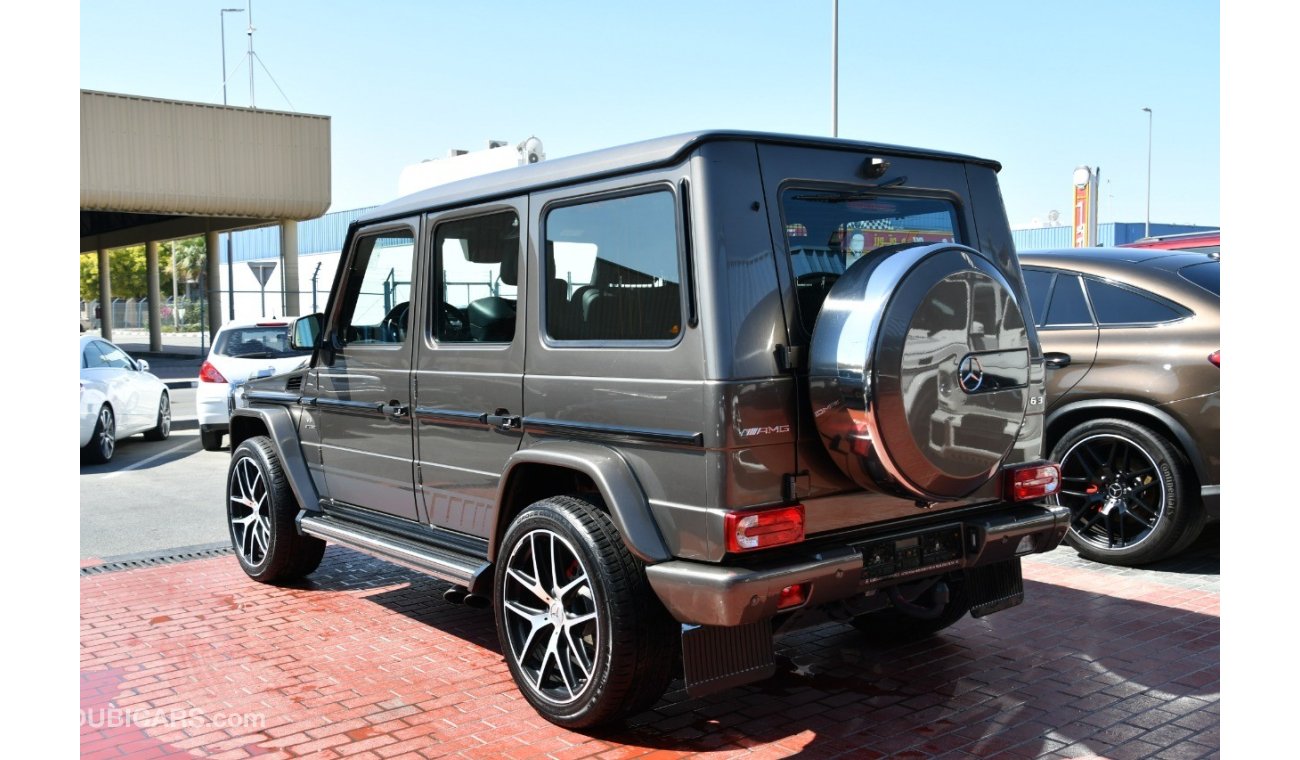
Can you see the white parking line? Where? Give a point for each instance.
(157, 456)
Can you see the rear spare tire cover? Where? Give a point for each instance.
(919, 371)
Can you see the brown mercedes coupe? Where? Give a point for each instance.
(1131, 341)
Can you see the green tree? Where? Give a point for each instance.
(130, 276)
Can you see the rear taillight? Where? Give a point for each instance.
(209, 374)
(1214, 358)
(764, 528)
(1034, 482)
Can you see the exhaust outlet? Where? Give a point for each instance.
(455, 594)
(476, 601)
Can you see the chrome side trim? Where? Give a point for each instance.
(616, 432)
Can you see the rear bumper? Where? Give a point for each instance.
(731, 595)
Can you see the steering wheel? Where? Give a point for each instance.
(394, 322)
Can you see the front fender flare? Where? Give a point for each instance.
(624, 498)
(282, 431)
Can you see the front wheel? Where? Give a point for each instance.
(585, 637)
(260, 510)
(1128, 493)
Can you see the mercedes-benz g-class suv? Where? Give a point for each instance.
(659, 403)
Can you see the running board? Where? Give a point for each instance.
(441, 563)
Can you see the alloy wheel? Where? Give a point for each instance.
(250, 517)
(1114, 490)
(551, 616)
(107, 434)
(165, 416)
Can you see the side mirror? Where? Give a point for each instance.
(142, 365)
(305, 331)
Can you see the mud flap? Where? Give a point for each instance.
(716, 658)
(995, 587)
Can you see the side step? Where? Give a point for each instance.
(439, 562)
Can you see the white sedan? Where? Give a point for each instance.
(119, 397)
(240, 350)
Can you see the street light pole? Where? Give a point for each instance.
(1149, 119)
(230, 264)
(224, 11)
(835, 68)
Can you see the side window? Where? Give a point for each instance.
(1068, 306)
(377, 298)
(1039, 283)
(612, 270)
(111, 356)
(1121, 306)
(476, 279)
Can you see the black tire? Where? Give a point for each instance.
(103, 442)
(1129, 492)
(163, 428)
(211, 439)
(893, 626)
(617, 662)
(260, 512)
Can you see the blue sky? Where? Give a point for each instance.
(1041, 87)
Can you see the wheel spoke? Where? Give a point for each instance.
(577, 653)
(530, 584)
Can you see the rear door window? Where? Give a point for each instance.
(1068, 307)
(1039, 284)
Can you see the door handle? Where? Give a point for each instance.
(502, 419)
(395, 408)
(1056, 359)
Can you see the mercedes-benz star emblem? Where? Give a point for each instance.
(970, 373)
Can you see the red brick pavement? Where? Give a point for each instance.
(365, 660)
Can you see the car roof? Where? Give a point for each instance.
(1114, 259)
(623, 159)
(1152, 269)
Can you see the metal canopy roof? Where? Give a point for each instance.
(154, 169)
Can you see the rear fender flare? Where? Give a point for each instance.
(1099, 408)
(624, 498)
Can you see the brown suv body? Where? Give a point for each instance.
(1132, 335)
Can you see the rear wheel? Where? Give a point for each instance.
(1128, 492)
(163, 428)
(260, 510)
(584, 635)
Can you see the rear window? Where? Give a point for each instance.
(256, 343)
(1205, 275)
(828, 230)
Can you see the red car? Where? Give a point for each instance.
(1199, 242)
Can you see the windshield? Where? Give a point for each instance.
(1205, 275)
(258, 342)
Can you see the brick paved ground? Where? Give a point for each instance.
(366, 660)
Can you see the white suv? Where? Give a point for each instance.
(240, 350)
